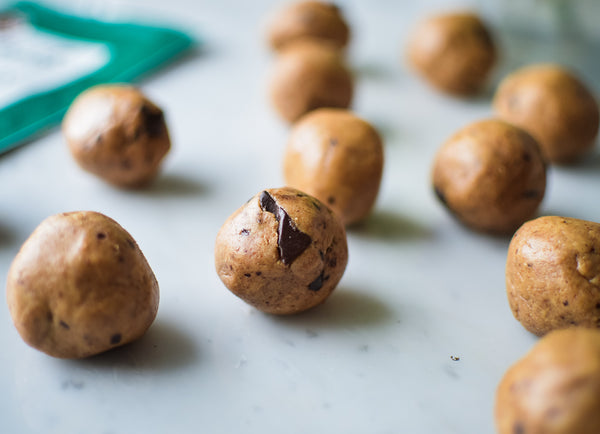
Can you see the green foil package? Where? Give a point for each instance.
(47, 58)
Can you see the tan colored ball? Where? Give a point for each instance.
(490, 175)
(315, 20)
(337, 157)
(80, 286)
(117, 134)
(307, 76)
(554, 106)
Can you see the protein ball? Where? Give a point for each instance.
(553, 273)
(491, 176)
(282, 252)
(554, 106)
(308, 20)
(306, 76)
(555, 388)
(454, 52)
(116, 133)
(338, 158)
(80, 285)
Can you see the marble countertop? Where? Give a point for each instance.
(414, 339)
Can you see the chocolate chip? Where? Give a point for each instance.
(245, 232)
(115, 339)
(247, 274)
(518, 428)
(317, 284)
(331, 200)
(258, 273)
(131, 243)
(100, 235)
(64, 325)
(440, 195)
(565, 303)
(291, 241)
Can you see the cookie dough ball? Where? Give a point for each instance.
(282, 252)
(553, 273)
(307, 76)
(80, 285)
(491, 176)
(454, 52)
(338, 158)
(308, 20)
(116, 133)
(552, 105)
(555, 388)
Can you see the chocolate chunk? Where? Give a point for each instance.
(64, 325)
(115, 339)
(291, 241)
(154, 120)
(531, 194)
(100, 235)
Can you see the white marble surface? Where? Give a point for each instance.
(376, 358)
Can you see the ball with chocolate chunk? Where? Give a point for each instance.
(282, 252)
(454, 52)
(491, 176)
(554, 106)
(308, 75)
(80, 285)
(116, 133)
(338, 158)
(308, 20)
(555, 388)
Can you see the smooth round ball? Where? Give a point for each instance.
(554, 106)
(491, 176)
(282, 252)
(308, 20)
(555, 388)
(306, 76)
(553, 274)
(454, 52)
(116, 133)
(80, 286)
(338, 158)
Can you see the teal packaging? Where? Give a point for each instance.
(47, 58)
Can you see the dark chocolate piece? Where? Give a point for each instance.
(291, 241)
(115, 339)
(317, 283)
(154, 121)
(440, 195)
